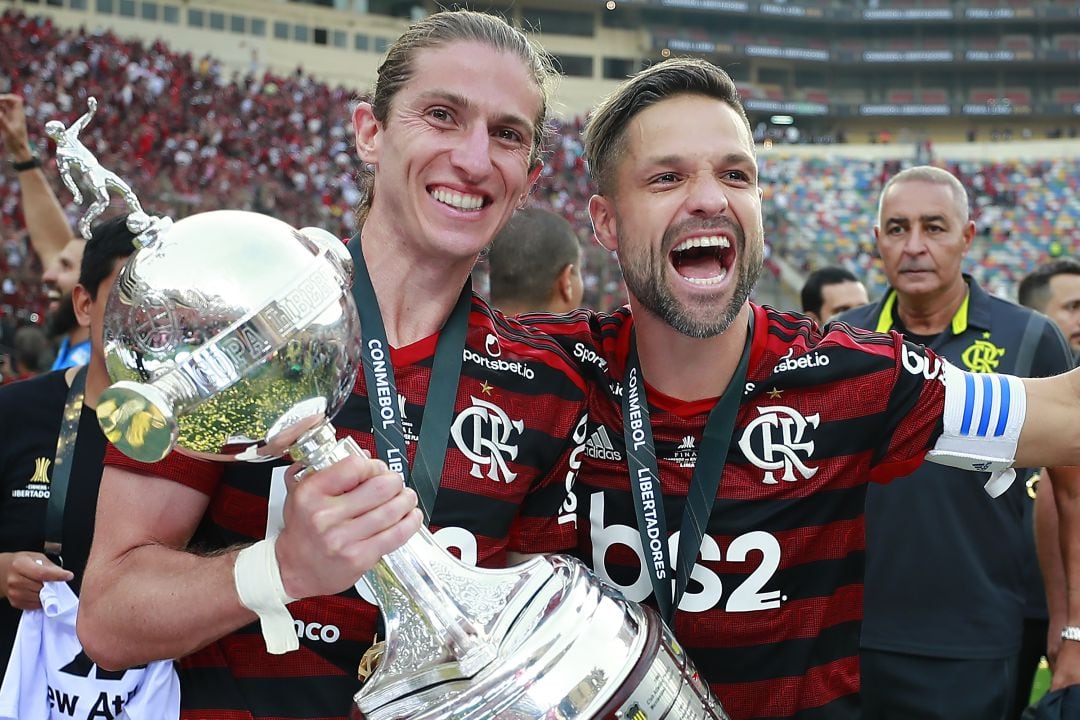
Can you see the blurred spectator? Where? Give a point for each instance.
(49, 233)
(1054, 289)
(534, 264)
(61, 323)
(31, 354)
(829, 291)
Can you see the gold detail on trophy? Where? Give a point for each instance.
(370, 661)
(131, 421)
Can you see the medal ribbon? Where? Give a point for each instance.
(65, 455)
(382, 387)
(669, 583)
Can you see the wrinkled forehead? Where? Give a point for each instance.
(910, 200)
(479, 71)
(687, 125)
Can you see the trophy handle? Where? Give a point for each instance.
(138, 419)
(409, 579)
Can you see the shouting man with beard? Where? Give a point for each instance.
(729, 445)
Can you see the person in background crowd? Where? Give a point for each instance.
(61, 322)
(31, 412)
(948, 568)
(534, 264)
(831, 290)
(1052, 289)
(30, 354)
(451, 139)
(50, 236)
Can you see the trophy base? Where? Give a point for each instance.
(576, 650)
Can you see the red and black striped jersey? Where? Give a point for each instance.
(520, 404)
(772, 611)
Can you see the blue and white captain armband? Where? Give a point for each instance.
(983, 417)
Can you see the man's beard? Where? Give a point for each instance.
(645, 278)
(62, 320)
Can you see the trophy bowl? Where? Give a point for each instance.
(227, 329)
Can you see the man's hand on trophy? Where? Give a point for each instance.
(339, 522)
(13, 127)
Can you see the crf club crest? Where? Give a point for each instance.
(982, 356)
(778, 441)
(488, 437)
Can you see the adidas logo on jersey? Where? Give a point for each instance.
(599, 446)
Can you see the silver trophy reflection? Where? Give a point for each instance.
(231, 335)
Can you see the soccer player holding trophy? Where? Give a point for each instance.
(233, 335)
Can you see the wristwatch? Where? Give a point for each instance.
(1070, 632)
(33, 162)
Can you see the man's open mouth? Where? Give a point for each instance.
(703, 260)
(467, 202)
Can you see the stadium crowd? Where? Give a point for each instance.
(1025, 212)
(188, 138)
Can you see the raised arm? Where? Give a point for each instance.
(45, 220)
(146, 597)
(84, 120)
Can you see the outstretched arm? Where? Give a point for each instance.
(146, 597)
(1051, 435)
(45, 220)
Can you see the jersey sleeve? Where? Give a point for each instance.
(912, 421)
(201, 475)
(547, 519)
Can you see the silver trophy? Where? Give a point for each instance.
(232, 335)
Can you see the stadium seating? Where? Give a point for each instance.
(824, 212)
(189, 139)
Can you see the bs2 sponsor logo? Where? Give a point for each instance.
(747, 596)
(918, 364)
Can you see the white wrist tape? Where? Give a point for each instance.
(983, 417)
(258, 583)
